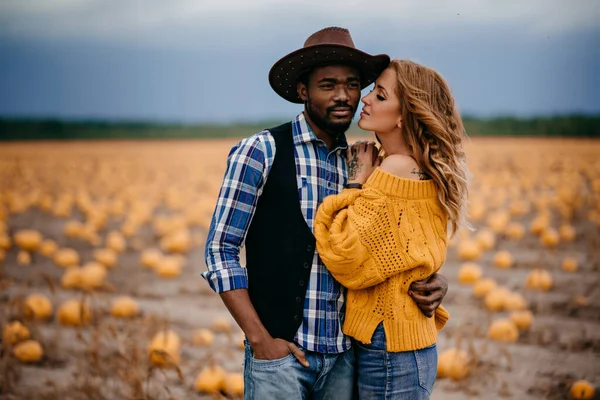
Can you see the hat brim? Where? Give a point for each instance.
(284, 74)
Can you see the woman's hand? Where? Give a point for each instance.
(362, 158)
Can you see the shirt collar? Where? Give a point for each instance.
(304, 134)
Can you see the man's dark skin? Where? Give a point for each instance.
(331, 95)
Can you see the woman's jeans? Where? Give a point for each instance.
(401, 375)
(329, 376)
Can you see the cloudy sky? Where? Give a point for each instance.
(207, 61)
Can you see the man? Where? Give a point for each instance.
(286, 302)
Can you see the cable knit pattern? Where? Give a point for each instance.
(376, 242)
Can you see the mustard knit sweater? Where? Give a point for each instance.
(376, 242)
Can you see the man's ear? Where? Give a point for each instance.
(302, 91)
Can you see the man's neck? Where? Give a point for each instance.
(329, 140)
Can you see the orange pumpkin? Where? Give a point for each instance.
(503, 259)
(515, 231)
(15, 332)
(37, 306)
(567, 233)
(234, 384)
(469, 273)
(210, 380)
(539, 279)
(203, 338)
(454, 364)
(28, 351)
(582, 389)
(165, 348)
(522, 319)
(569, 265)
(483, 287)
(503, 330)
(28, 239)
(74, 312)
(468, 250)
(549, 238)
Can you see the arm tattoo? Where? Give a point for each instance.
(422, 175)
(354, 167)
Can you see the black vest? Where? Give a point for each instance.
(279, 245)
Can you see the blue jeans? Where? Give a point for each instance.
(329, 376)
(386, 375)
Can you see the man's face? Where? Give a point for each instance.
(331, 97)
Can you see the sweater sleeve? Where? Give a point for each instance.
(441, 317)
(338, 241)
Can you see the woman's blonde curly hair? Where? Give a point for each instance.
(434, 133)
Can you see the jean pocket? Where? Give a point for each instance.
(271, 365)
(368, 347)
(378, 341)
(427, 360)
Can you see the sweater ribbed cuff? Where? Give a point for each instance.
(400, 187)
(441, 317)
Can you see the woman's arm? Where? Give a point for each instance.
(359, 240)
(338, 242)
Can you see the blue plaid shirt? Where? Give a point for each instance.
(319, 173)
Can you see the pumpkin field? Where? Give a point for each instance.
(102, 247)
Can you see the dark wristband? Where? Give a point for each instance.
(353, 186)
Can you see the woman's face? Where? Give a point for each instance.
(381, 112)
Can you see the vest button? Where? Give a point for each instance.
(298, 299)
(309, 248)
(306, 265)
(301, 283)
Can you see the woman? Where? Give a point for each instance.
(389, 227)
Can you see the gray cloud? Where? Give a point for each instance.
(171, 22)
(208, 61)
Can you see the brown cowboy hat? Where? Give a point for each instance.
(328, 46)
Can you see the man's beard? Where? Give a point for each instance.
(332, 128)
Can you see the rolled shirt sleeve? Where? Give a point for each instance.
(248, 166)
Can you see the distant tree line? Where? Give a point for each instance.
(49, 129)
(560, 126)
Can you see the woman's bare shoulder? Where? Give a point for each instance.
(402, 166)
